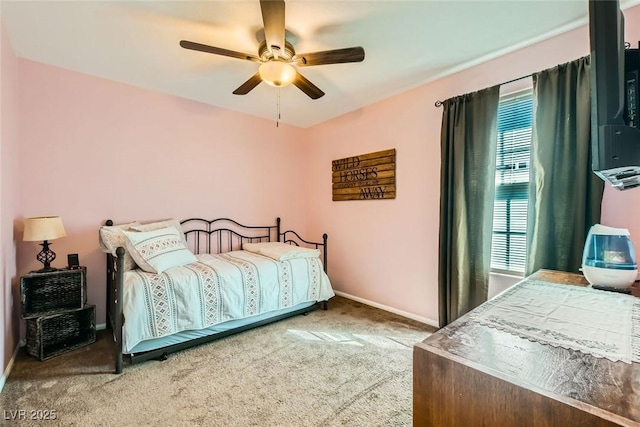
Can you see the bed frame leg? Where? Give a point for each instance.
(118, 316)
(324, 305)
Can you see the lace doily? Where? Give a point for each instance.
(603, 324)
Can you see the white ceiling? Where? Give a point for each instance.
(407, 43)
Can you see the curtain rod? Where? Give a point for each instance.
(439, 103)
(627, 45)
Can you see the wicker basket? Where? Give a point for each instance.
(52, 292)
(54, 334)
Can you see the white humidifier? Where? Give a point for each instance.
(608, 258)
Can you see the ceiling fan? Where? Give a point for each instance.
(277, 56)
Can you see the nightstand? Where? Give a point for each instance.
(54, 305)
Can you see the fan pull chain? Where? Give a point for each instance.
(278, 108)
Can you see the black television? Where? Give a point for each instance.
(615, 137)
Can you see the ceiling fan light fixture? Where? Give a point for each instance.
(276, 54)
(277, 73)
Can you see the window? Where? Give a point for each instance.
(509, 240)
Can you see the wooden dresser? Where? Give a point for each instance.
(468, 375)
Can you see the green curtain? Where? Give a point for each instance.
(467, 188)
(564, 195)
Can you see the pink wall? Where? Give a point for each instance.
(9, 296)
(622, 209)
(387, 251)
(93, 149)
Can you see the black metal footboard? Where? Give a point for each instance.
(294, 238)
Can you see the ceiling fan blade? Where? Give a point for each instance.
(218, 51)
(337, 56)
(307, 87)
(247, 86)
(273, 19)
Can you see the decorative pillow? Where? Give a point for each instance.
(158, 250)
(161, 224)
(111, 237)
(280, 251)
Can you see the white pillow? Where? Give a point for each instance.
(112, 236)
(281, 251)
(158, 250)
(161, 224)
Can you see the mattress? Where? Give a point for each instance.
(220, 288)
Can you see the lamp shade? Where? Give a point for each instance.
(43, 228)
(277, 73)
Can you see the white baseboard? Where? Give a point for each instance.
(101, 326)
(402, 313)
(5, 375)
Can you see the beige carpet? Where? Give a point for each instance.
(348, 366)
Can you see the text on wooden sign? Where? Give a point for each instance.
(365, 177)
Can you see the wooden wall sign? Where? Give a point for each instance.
(365, 177)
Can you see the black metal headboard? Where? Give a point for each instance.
(224, 234)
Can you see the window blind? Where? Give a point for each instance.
(513, 158)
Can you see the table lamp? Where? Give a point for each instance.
(44, 228)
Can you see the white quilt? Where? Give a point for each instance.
(217, 288)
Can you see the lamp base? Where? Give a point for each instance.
(45, 256)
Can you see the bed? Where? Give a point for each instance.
(223, 278)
